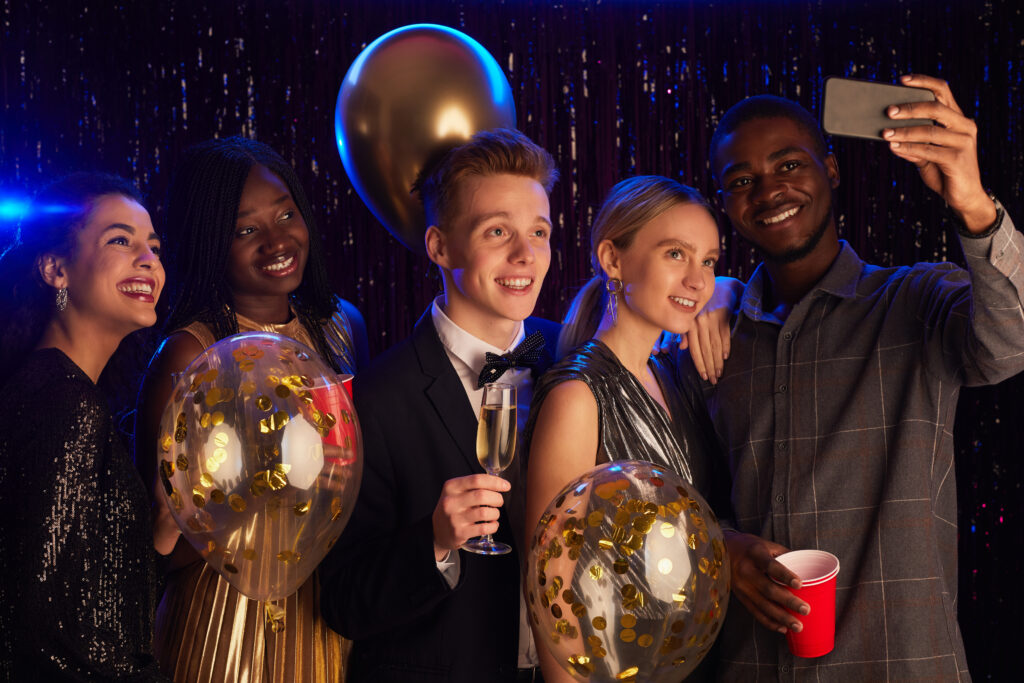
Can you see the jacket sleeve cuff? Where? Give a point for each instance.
(990, 230)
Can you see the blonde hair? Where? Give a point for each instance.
(488, 153)
(630, 205)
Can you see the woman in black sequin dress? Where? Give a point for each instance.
(654, 247)
(75, 545)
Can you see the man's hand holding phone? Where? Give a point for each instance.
(946, 155)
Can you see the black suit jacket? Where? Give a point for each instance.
(380, 584)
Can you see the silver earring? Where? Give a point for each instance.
(62, 298)
(614, 287)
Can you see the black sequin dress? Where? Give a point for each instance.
(76, 547)
(632, 425)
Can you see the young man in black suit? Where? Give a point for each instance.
(396, 583)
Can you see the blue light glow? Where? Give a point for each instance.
(12, 209)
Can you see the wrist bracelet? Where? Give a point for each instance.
(987, 232)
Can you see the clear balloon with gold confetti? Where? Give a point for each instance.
(260, 459)
(627, 576)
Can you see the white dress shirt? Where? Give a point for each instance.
(467, 354)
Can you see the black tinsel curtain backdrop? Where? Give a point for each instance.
(611, 88)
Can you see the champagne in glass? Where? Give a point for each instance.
(495, 448)
(496, 438)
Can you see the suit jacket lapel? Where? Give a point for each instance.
(444, 391)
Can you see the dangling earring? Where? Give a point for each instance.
(62, 298)
(614, 287)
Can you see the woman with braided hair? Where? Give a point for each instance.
(247, 257)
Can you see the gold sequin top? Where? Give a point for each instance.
(76, 550)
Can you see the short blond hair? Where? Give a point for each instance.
(488, 153)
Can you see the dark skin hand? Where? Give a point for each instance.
(176, 354)
(946, 155)
(753, 568)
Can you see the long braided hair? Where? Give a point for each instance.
(201, 211)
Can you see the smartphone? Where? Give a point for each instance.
(856, 109)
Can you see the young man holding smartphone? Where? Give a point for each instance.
(416, 607)
(837, 402)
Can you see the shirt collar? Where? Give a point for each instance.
(839, 280)
(469, 349)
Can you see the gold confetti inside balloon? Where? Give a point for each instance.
(260, 459)
(627, 577)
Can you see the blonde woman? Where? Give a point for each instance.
(654, 248)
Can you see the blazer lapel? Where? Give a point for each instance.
(445, 391)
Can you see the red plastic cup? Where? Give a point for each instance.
(329, 399)
(817, 570)
(346, 381)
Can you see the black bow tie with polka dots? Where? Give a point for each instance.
(525, 355)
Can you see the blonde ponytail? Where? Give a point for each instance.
(584, 315)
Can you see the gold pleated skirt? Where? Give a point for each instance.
(208, 631)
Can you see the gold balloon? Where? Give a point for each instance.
(627, 576)
(410, 96)
(269, 480)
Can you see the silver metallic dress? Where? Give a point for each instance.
(632, 425)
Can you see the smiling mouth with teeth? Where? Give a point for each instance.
(280, 264)
(683, 302)
(515, 282)
(778, 218)
(135, 288)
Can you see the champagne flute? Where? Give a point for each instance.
(495, 448)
